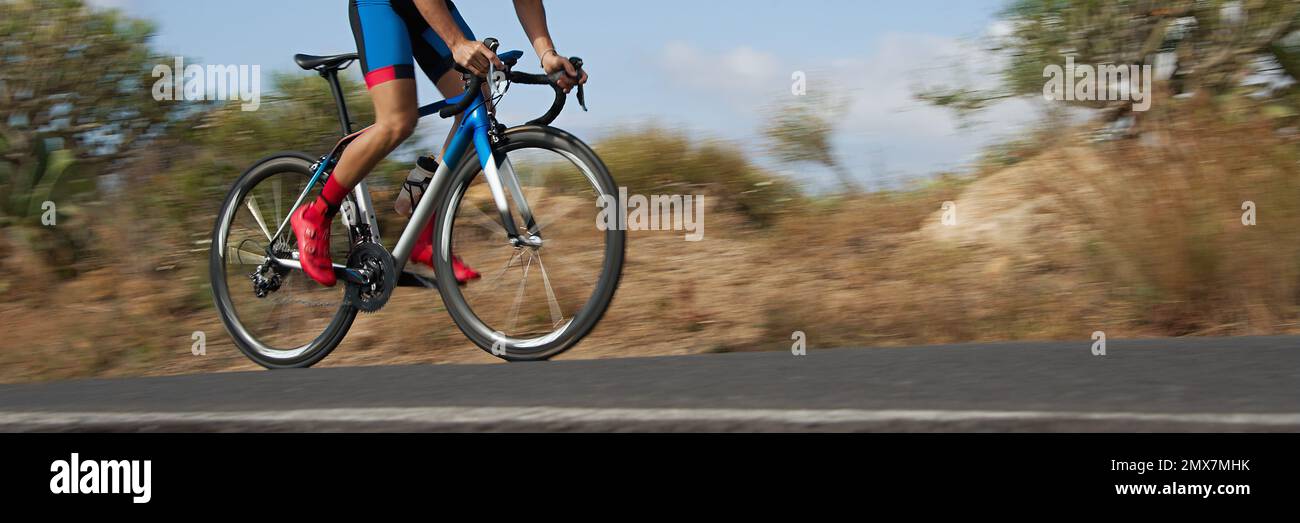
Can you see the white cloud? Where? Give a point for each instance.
(1000, 29)
(883, 118)
(883, 84)
(743, 68)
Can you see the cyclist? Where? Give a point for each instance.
(393, 35)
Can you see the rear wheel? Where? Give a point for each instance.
(296, 322)
(533, 301)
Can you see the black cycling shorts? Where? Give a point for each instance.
(392, 36)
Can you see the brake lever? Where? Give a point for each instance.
(492, 44)
(556, 76)
(582, 96)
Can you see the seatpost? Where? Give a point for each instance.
(344, 121)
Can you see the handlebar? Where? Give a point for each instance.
(476, 84)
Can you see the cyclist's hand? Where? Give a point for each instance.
(553, 63)
(473, 55)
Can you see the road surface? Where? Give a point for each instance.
(1184, 384)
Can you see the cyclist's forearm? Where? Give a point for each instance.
(439, 17)
(532, 15)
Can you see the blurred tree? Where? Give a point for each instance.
(197, 159)
(1214, 44)
(801, 131)
(74, 97)
(297, 115)
(79, 75)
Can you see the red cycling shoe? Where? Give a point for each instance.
(423, 253)
(464, 274)
(311, 224)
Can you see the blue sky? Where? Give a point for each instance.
(713, 68)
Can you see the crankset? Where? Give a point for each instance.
(371, 277)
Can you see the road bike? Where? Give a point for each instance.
(519, 203)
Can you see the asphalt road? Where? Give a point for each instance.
(1185, 384)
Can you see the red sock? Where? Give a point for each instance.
(333, 193)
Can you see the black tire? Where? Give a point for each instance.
(582, 322)
(259, 350)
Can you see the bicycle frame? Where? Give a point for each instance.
(474, 128)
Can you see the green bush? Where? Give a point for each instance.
(657, 161)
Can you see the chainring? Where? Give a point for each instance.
(371, 257)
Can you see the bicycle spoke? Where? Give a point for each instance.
(481, 219)
(245, 256)
(496, 280)
(257, 215)
(582, 271)
(557, 315)
(275, 195)
(542, 224)
(519, 297)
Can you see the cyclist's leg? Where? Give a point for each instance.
(386, 60)
(395, 118)
(434, 58)
(387, 63)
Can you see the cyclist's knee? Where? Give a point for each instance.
(397, 129)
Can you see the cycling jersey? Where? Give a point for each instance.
(391, 34)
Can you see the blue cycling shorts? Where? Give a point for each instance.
(392, 36)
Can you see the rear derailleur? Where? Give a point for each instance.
(267, 278)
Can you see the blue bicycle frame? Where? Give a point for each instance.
(473, 128)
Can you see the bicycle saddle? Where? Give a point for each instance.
(338, 61)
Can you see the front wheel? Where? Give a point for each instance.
(537, 299)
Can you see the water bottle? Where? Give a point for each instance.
(416, 183)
